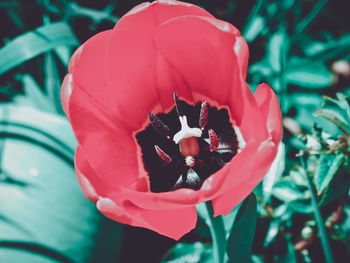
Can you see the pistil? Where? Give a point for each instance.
(187, 140)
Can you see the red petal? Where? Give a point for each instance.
(93, 187)
(270, 112)
(131, 71)
(242, 52)
(173, 223)
(224, 204)
(94, 108)
(88, 67)
(270, 109)
(167, 200)
(76, 55)
(214, 76)
(253, 125)
(106, 103)
(250, 177)
(88, 189)
(110, 150)
(66, 91)
(145, 17)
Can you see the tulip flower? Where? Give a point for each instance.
(165, 120)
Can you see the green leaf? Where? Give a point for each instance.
(311, 46)
(34, 43)
(334, 117)
(297, 175)
(302, 206)
(257, 259)
(195, 252)
(344, 228)
(343, 107)
(53, 82)
(217, 229)
(341, 103)
(298, 100)
(338, 186)
(310, 100)
(286, 4)
(272, 232)
(64, 53)
(228, 219)
(254, 23)
(276, 48)
(344, 104)
(44, 216)
(325, 51)
(293, 193)
(35, 93)
(322, 169)
(287, 190)
(240, 241)
(329, 164)
(97, 16)
(314, 75)
(290, 256)
(252, 30)
(7, 253)
(302, 25)
(334, 49)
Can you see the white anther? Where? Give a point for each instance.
(186, 131)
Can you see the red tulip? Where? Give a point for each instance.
(119, 76)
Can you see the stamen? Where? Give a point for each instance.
(178, 183)
(203, 116)
(162, 154)
(214, 140)
(159, 126)
(189, 180)
(186, 131)
(193, 179)
(178, 107)
(190, 161)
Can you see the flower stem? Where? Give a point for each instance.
(218, 234)
(319, 221)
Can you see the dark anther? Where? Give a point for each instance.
(214, 140)
(159, 126)
(162, 154)
(203, 116)
(178, 107)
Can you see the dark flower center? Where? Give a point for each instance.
(184, 147)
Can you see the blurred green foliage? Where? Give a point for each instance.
(301, 48)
